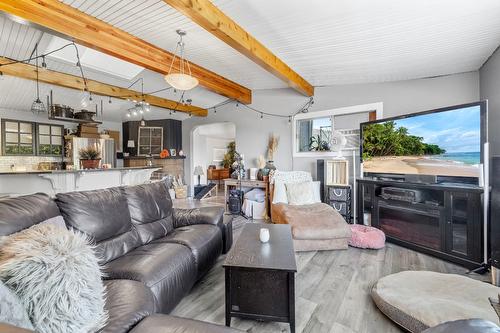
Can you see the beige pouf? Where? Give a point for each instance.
(417, 300)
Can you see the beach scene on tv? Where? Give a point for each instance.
(444, 143)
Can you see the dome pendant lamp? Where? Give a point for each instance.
(181, 79)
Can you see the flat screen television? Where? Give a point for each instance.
(443, 142)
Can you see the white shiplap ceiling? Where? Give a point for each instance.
(327, 42)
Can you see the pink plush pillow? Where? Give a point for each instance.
(366, 237)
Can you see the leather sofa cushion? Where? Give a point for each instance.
(205, 215)
(23, 212)
(127, 303)
(167, 269)
(104, 216)
(150, 208)
(167, 324)
(204, 241)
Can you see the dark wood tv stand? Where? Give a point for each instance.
(447, 221)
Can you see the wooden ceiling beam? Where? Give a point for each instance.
(212, 19)
(27, 71)
(94, 33)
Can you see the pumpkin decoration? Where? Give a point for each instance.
(164, 153)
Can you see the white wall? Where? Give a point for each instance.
(490, 90)
(205, 139)
(399, 97)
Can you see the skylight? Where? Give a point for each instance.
(94, 60)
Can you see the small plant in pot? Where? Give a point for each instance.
(90, 157)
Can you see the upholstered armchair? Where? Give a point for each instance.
(315, 225)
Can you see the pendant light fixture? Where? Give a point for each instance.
(37, 107)
(181, 79)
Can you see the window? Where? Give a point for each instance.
(150, 140)
(17, 137)
(313, 132)
(50, 140)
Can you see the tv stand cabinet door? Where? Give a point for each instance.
(463, 224)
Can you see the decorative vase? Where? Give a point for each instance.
(90, 164)
(264, 172)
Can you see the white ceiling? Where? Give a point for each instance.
(327, 42)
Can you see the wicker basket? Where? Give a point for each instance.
(181, 192)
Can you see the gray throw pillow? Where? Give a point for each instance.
(12, 310)
(56, 274)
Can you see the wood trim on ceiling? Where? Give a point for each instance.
(27, 71)
(94, 33)
(212, 19)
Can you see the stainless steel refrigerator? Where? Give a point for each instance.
(105, 146)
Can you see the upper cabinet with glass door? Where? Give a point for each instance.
(17, 137)
(150, 141)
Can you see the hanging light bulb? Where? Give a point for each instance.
(261, 115)
(44, 64)
(143, 122)
(85, 99)
(141, 111)
(182, 80)
(109, 101)
(37, 107)
(134, 113)
(215, 110)
(129, 115)
(170, 112)
(1, 76)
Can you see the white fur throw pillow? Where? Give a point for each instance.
(56, 274)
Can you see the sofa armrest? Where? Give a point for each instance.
(204, 215)
(207, 215)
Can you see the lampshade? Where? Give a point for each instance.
(181, 81)
(198, 171)
(181, 78)
(130, 144)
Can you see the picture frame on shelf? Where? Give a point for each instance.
(173, 152)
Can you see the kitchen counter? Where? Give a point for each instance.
(39, 172)
(59, 181)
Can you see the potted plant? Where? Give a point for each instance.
(90, 157)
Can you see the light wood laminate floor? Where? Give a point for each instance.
(332, 290)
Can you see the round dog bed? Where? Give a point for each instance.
(417, 300)
(366, 237)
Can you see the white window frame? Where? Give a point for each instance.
(377, 107)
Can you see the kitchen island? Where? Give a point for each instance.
(57, 181)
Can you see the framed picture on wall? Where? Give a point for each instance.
(218, 154)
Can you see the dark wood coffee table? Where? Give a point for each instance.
(260, 277)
